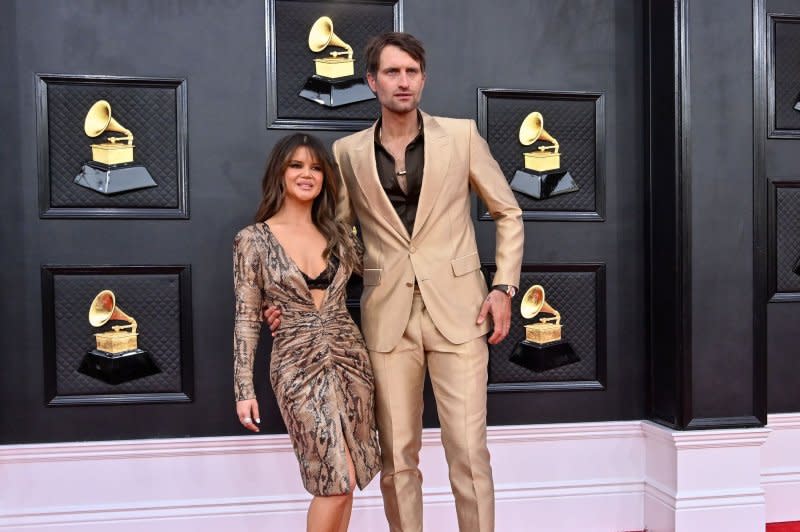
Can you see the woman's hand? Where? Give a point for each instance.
(247, 411)
(273, 316)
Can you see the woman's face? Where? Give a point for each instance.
(303, 177)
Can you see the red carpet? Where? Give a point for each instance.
(793, 526)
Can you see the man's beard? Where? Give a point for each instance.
(402, 107)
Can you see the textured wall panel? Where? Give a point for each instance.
(354, 23)
(787, 235)
(153, 110)
(786, 83)
(575, 291)
(150, 297)
(572, 119)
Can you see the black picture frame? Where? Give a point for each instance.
(60, 357)
(586, 205)
(283, 84)
(498, 353)
(56, 118)
(783, 79)
(783, 241)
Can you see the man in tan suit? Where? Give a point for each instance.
(407, 180)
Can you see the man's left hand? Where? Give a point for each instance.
(498, 305)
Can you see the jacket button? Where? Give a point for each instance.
(409, 285)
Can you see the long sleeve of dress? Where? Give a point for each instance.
(248, 290)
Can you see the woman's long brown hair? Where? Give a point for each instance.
(323, 210)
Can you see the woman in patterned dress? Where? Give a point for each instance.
(299, 258)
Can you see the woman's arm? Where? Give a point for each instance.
(248, 291)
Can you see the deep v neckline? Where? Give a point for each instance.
(303, 275)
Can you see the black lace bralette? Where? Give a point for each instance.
(324, 279)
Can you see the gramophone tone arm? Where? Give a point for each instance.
(555, 319)
(553, 147)
(132, 326)
(128, 136)
(348, 51)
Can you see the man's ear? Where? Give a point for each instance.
(371, 81)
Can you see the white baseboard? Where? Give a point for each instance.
(780, 468)
(583, 476)
(703, 480)
(541, 472)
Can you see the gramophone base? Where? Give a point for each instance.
(542, 161)
(116, 369)
(114, 178)
(336, 92)
(541, 357)
(542, 185)
(334, 67)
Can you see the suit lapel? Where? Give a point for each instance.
(437, 161)
(365, 169)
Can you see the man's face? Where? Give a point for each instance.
(398, 82)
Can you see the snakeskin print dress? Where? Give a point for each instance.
(319, 367)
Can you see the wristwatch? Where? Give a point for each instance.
(507, 289)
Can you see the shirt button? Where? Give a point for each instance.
(412, 249)
(409, 285)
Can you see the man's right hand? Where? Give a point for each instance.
(272, 315)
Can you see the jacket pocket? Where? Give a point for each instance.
(372, 276)
(464, 265)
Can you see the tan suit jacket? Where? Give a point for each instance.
(441, 253)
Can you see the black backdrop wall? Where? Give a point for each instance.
(596, 46)
(777, 198)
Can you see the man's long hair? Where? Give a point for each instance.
(323, 210)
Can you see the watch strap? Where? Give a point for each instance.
(508, 290)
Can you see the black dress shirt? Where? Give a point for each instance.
(404, 201)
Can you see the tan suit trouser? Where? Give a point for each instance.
(459, 376)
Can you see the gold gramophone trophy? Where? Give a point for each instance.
(542, 176)
(543, 347)
(334, 82)
(117, 358)
(111, 169)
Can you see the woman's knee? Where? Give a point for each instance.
(335, 501)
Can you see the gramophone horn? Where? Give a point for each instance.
(321, 36)
(99, 119)
(532, 129)
(533, 302)
(104, 308)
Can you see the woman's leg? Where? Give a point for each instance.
(351, 470)
(325, 513)
(332, 513)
